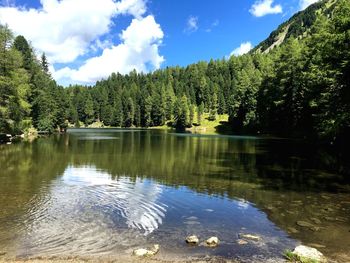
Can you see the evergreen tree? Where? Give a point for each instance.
(44, 63)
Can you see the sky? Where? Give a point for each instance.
(87, 40)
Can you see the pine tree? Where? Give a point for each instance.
(44, 63)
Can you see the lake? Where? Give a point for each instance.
(104, 192)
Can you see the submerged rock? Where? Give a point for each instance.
(341, 219)
(329, 218)
(242, 242)
(309, 253)
(308, 225)
(304, 224)
(194, 240)
(316, 220)
(292, 230)
(251, 237)
(316, 245)
(142, 252)
(328, 209)
(212, 242)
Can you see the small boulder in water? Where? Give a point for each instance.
(193, 240)
(241, 242)
(142, 252)
(308, 225)
(304, 224)
(292, 230)
(249, 236)
(309, 253)
(212, 242)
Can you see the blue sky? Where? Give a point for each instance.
(86, 40)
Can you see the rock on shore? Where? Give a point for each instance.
(142, 252)
(309, 253)
(194, 240)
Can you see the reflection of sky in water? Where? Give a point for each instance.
(136, 200)
(87, 211)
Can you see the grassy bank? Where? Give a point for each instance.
(206, 126)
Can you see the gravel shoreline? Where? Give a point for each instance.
(129, 259)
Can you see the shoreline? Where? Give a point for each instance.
(129, 259)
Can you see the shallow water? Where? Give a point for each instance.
(105, 192)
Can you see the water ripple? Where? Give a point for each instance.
(88, 211)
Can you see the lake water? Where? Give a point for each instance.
(104, 192)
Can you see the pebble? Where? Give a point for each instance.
(292, 230)
(142, 252)
(316, 245)
(241, 242)
(212, 242)
(316, 220)
(194, 240)
(249, 236)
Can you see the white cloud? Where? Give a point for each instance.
(212, 26)
(192, 24)
(242, 49)
(62, 29)
(305, 3)
(136, 8)
(70, 30)
(139, 50)
(264, 7)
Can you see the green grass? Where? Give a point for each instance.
(219, 125)
(288, 254)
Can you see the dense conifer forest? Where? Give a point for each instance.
(297, 89)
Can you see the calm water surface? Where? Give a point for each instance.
(105, 192)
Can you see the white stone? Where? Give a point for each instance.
(212, 242)
(142, 252)
(192, 239)
(309, 253)
(154, 250)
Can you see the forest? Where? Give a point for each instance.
(298, 89)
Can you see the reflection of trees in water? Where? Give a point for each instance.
(169, 159)
(26, 166)
(262, 172)
(301, 167)
(197, 162)
(25, 170)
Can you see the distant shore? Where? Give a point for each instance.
(219, 125)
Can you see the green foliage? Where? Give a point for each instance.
(298, 25)
(28, 94)
(200, 111)
(290, 256)
(181, 114)
(44, 63)
(300, 88)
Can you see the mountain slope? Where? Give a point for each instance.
(297, 26)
